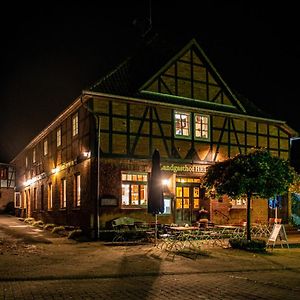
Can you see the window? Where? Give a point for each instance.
(33, 156)
(45, 147)
(75, 125)
(134, 189)
(63, 193)
(42, 197)
(77, 193)
(240, 202)
(182, 124)
(34, 199)
(18, 200)
(26, 161)
(201, 127)
(167, 206)
(58, 137)
(50, 204)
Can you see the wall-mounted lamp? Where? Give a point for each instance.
(55, 170)
(86, 154)
(165, 182)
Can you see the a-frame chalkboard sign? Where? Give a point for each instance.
(278, 231)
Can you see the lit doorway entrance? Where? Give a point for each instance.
(187, 202)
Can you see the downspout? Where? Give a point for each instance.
(97, 117)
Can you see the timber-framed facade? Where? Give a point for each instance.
(92, 163)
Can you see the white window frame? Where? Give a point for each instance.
(63, 193)
(202, 127)
(130, 179)
(179, 117)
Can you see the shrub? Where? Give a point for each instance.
(244, 244)
(29, 220)
(74, 234)
(38, 224)
(58, 229)
(49, 226)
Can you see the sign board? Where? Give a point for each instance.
(278, 231)
(107, 201)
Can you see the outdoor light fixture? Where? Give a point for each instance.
(165, 181)
(86, 154)
(55, 170)
(29, 181)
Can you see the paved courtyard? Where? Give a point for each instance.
(39, 265)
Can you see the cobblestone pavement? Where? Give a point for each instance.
(38, 265)
(215, 286)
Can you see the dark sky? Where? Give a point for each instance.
(51, 52)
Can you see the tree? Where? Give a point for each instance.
(256, 173)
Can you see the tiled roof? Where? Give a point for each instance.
(150, 56)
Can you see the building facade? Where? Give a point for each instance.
(92, 163)
(7, 188)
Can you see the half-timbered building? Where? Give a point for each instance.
(92, 163)
(7, 188)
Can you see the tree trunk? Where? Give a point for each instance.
(248, 217)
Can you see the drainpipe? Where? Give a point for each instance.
(98, 178)
(97, 117)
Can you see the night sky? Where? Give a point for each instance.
(51, 52)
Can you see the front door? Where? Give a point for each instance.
(187, 199)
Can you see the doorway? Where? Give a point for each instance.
(187, 202)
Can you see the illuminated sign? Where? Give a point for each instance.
(185, 168)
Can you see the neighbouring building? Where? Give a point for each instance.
(7, 188)
(92, 163)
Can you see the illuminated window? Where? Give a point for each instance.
(75, 124)
(50, 203)
(167, 206)
(201, 127)
(134, 189)
(33, 156)
(77, 191)
(58, 137)
(63, 193)
(182, 124)
(26, 161)
(45, 147)
(240, 202)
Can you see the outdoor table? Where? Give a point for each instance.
(179, 237)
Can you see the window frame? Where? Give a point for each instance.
(63, 193)
(77, 190)
(75, 124)
(45, 147)
(181, 136)
(50, 196)
(208, 127)
(129, 181)
(58, 137)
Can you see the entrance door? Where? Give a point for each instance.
(187, 199)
